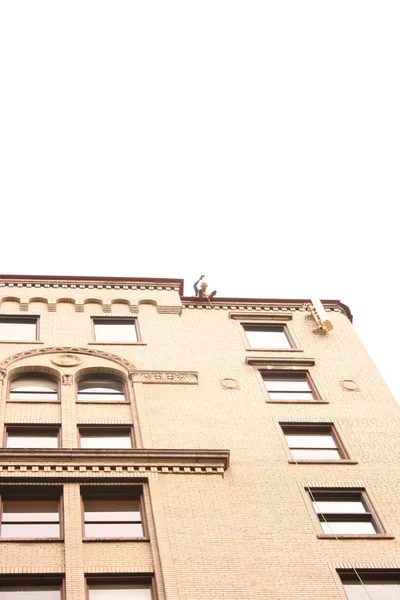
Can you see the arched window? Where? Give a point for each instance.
(101, 388)
(34, 387)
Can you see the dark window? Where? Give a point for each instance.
(99, 388)
(112, 513)
(381, 584)
(32, 437)
(313, 442)
(267, 336)
(18, 329)
(33, 387)
(345, 512)
(289, 387)
(105, 437)
(115, 330)
(30, 513)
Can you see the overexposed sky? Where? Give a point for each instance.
(257, 142)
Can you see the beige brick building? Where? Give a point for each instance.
(167, 447)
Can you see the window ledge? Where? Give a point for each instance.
(355, 536)
(52, 540)
(297, 402)
(117, 344)
(344, 461)
(116, 539)
(251, 349)
(20, 342)
(102, 402)
(9, 400)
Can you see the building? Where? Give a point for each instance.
(162, 446)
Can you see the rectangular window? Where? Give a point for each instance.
(313, 442)
(21, 329)
(345, 512)
(289, 387)
(30, 513)
(267, 336)
(30, 588)
(119, 588)
(112, 513)
(115, 330)
(32, 437)
(105, 437)
(381, 584)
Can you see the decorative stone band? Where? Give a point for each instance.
(188, 377)
(22, 462)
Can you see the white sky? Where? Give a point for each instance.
(257, 142)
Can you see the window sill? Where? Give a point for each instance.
(20, 342)
(117, 344)
(297, 402)
(344, 461)
(355, 536)
(52, 540)
(8, 400)
(116, 539)
(102, 402)
(250, 349)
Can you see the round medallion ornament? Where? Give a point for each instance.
(229, 383)
(350, 385)
(66, 360)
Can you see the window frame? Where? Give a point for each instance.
(111, 319)
(35, 580)
(111, 376)
(290, 374)
(290, 428)
(97, 492)
(24, 428)
(22, 319)
(39, 493)
(40, 375)
(265, 326)
(121, 580)
(346, 495)
(102, 428)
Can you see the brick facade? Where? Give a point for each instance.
(227, 510)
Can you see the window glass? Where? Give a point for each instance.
(310, 441)
(112, 518)
(372, 591)
(17, 329)
(103, 440)
(30, 518)
(315, 454)
(101, 389)
(119, 592)
(267, 337)
(339, 507)
(115, 330)
(34, 388)
(348, 527)
(29, 593)
(288, 387)
(47, 440)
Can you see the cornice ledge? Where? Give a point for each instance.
(266, 361)
(78, 459)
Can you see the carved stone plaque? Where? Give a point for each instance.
(164, 377)
(66, 360)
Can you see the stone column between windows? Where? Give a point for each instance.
(69, 431)
(74, 558)
(3, 388)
